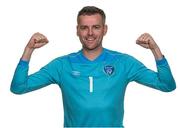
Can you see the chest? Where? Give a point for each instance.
(93, 84)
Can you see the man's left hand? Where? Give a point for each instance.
(146, 41)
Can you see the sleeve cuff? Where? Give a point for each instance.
(23, 62)
(161, 61)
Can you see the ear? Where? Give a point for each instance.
(77, 32)
(105, 29)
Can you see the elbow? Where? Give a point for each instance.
(170, 89)
(17, 90)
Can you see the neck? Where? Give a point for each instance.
(92, 54)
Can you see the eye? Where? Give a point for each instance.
(97, 26)
(83, 27)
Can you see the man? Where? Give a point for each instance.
(93, 80)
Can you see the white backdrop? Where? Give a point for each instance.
(144, 107)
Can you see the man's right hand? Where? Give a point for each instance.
(37, 40)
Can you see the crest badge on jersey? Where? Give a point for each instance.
(109, 70)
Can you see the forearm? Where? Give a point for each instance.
(27, 54)
(165, 76)
(157, 53)
(20, 77)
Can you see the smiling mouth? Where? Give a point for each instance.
(90, 39)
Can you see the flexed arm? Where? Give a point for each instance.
(22, 82)
(162, 79)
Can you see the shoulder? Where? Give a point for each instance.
(121, 58)
(118, 55)
(65, 58)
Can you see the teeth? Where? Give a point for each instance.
(90, 39)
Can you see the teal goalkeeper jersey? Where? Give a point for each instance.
(93, 91)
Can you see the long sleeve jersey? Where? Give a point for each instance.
(93, 91)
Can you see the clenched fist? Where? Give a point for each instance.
(37, 40)
(146, 41)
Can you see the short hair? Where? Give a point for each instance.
(91, 10)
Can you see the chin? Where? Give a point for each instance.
(92, 48)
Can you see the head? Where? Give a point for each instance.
(91, 27)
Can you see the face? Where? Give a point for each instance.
(91, 31)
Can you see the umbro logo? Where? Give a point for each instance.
(75, 73)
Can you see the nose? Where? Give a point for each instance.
(90, 32)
